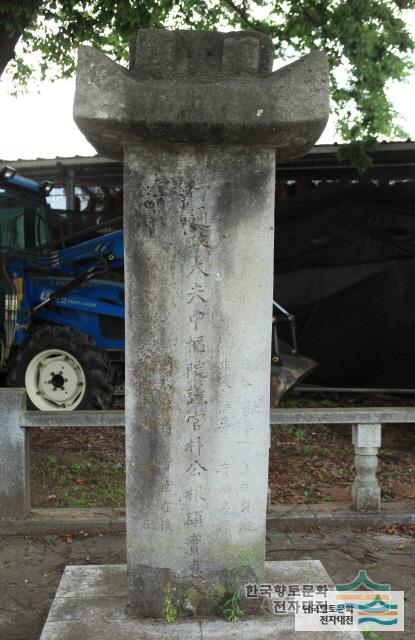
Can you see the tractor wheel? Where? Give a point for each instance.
(61, 369)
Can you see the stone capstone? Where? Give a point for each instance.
(206, 88)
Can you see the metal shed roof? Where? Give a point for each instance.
(391, 160)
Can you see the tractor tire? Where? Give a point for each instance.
(62, 369)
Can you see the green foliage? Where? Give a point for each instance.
(232, 605)
(371, 635)
(192, 596)
(297, 432)
(367, 43)
(169, 610)
(93, 484)
(232, 609)
(294, 432)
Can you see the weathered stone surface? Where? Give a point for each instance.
(344, 415)
(90, 613)
(366, 498)
(93, 581)
(182, 54)
(199, 251)
(367, 435)
(207, 88)
(366, 490)
(261, 629)
(198, 119)
(73, 419)
(14, 456)
(296, 572)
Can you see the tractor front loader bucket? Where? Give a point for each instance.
(287, 373)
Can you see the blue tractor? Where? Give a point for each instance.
(61, 303)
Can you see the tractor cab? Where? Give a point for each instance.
(24, 213)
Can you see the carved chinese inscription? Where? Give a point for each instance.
(197, 362)
(196, 227)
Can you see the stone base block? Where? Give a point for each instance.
(366, 498)
(91, 604)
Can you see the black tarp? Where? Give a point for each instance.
(345, 266)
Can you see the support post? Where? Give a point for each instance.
(366, 489)
(70, 190)
(14, 456)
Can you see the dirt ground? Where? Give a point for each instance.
(32, 567)
(326, 457)
(85, 467)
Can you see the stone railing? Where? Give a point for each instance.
(366, 437)
(15, 443)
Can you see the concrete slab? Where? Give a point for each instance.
(91, 604)
(93, 581)
(297, 572)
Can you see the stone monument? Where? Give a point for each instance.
(199, 120)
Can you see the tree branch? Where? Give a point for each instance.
(307, 15)
(7, 45)
(244, 16)
(8, 40)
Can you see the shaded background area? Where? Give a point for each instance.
(345, 267)
(345, 252)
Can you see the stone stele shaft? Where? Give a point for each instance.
(199, 255)
(198, 119)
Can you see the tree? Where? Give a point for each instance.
(369, 39)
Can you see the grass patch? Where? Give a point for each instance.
(96, 483)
